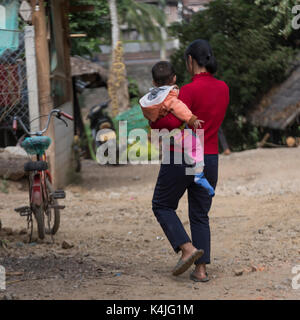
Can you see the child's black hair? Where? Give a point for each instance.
(201, 51)
(163, 73)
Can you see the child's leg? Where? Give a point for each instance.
(196, 152)
(202, 181)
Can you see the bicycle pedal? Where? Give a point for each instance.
(23, 211)
(57, 206)
(58, 194)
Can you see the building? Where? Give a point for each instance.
(280, 108)
(35, 65)
(192, 6)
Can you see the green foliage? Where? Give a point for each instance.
(142, 152)
(282, 14)
(4, 186)
(134, 92)
(96, 24)
(251, 58)
(145, 18)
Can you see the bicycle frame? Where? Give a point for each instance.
(37, 191)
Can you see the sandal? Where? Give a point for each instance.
(194, 278)
(183, 265)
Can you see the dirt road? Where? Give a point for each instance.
(120, 252)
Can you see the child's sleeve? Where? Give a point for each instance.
(180, 110)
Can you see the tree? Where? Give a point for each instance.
(117, 84)
(282, 10)
(96, 24)
(145, 18)
(251, 58)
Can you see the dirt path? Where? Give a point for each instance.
(120, 251)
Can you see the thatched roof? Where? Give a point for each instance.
(281, 106)
(81, 66)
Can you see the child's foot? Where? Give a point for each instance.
(202, 181)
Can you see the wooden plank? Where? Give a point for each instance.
(78, 35)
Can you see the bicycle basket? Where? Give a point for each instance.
(36, 145)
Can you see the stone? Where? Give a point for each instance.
(66, 245)
(254, 268)
(8, 231)
(10, 297)
(19, 244)
(12, 161)
(23, 231)
(238, 272)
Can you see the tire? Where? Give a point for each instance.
(39, 216)
(53, 229)
(35, 166)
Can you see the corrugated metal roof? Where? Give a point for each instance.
(81, 66)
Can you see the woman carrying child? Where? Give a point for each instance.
(207, 99)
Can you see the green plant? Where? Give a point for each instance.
(4, 186)
(133, 88)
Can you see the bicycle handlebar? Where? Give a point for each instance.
(66, 115)
(39, 133)
(15, 124)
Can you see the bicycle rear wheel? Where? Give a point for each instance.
(38, 212)
(53, 213)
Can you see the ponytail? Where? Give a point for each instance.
(201, 52)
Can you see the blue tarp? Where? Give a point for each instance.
(9, 39)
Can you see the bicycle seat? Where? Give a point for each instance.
(36, 145)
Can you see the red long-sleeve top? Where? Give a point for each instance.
(207, 98)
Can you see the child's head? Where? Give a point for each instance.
(163, 74)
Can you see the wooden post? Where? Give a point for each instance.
(43, 74)
(32, 83)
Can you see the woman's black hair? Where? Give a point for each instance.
(201, 51)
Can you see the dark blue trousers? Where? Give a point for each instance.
(172, 182)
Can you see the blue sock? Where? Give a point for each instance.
(202, 181)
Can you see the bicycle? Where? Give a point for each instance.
(42, 197)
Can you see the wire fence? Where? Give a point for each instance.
(13, 78)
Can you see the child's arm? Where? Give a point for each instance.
(181, 111)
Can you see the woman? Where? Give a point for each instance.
(208, 99)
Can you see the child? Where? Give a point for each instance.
(164, 99)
